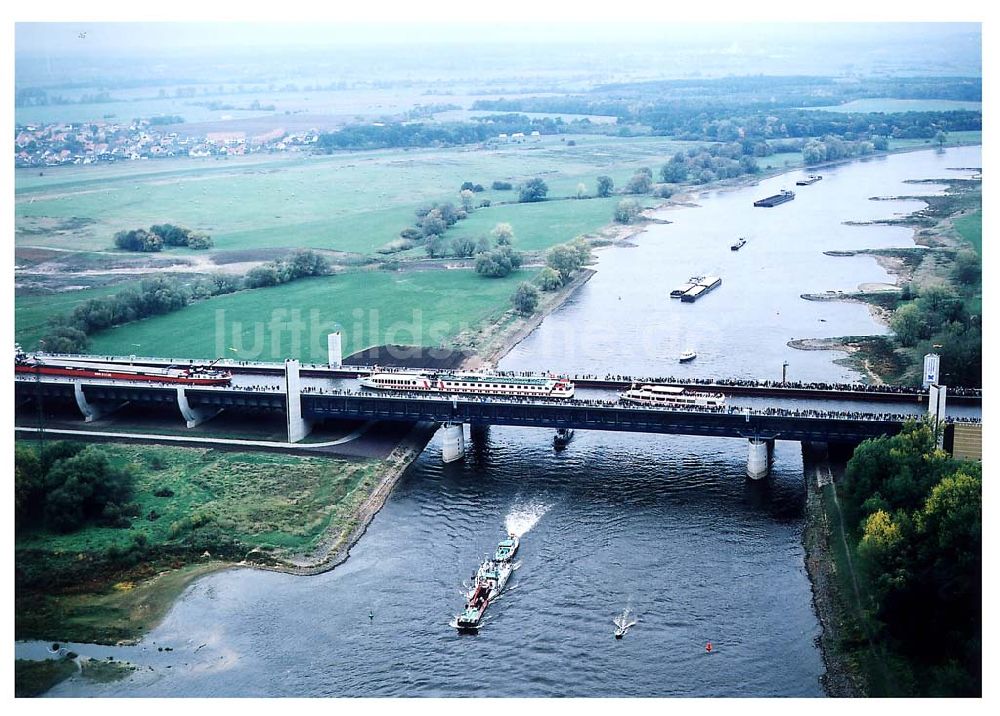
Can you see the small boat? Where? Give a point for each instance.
(562, 438)
(740, 243)
(622, 624)
(687, 356)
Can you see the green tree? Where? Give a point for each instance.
(503, 234)
(533, 190)
(640, 183)
(548, 279)
(563, 259)
(674, 172)
(463, 247)
(968, 268)
(436, 247)
(940, 138)
(908, 324)
(525, 298)
(605, 185)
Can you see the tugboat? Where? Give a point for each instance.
(562, 438)
(740, 243)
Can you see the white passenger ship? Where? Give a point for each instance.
(672, 396)
(472, 382)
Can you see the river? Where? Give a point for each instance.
(665, 525)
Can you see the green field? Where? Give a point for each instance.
(538, 226)
(969, 137)
(370, 308)
(884, 104)
(353, 202)
(970, 228)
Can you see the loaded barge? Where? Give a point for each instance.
(811, 179)
(709, 283)
(775, 199)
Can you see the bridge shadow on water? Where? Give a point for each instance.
(620, 471)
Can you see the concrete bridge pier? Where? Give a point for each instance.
(92, 410)
(759, 457)
(298, 427)
(193, 417)
(453, 442)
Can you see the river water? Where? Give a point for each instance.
(664, 525)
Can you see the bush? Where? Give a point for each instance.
(498, 262)
(502, 186)
(200, 242)
(138, 240)
(627, 211)
(395, 246)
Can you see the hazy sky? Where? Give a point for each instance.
(153, 38)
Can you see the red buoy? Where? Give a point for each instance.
(708, 646)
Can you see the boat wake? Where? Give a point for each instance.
(522, 518)
(623, 622)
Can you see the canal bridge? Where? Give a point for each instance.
(314, 394)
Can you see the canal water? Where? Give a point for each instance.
(664, 525)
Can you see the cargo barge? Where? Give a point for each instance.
(779, 198)
(709, 283)
(811, 179)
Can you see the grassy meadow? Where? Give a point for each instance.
(261, 500)
(371, 308)
(352, 202)
(970, 228)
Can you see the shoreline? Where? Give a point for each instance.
(841, 678)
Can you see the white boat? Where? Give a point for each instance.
(472, 382)
(687, 356)
(672, 396)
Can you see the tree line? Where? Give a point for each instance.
(914, 516)
(160, 295)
